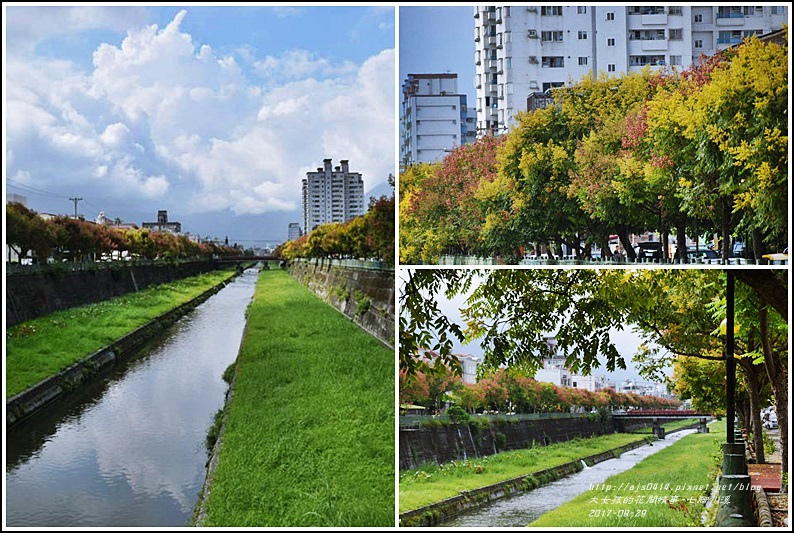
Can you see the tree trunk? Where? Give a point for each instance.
(726, 229)
(623, 235)
(665, 246)
(758, 244)
(680, 231)
(778, 379)
(753, 424)
(770, 285)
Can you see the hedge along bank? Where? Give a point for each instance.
(54, 387)
(308, 437)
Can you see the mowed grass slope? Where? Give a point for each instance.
(42, 347)
(432, 483)
(666, 489)
(309, 436)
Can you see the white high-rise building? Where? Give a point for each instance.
(522, 51)
(332, 195)
(434, 118)
(293, 231)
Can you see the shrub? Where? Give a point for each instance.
(458, 415)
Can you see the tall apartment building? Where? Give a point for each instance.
(434, 118)
(522, 52)
(293, 231)
(332, 195)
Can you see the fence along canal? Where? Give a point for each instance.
(129, 450)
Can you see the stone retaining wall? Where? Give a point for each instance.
(30, 295)
(364, 296)
(447, 443)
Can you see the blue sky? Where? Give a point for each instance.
(438, 39)
(214, 113)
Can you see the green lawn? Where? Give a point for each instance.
(667, 489)
(432, 483)
(42, 347)
(309, 438)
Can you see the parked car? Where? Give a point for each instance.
(704, 255)
(649, 250)
(769, 419)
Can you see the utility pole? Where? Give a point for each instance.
(75, 200)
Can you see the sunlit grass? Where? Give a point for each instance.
(432, 483)
(309, 439)
(42, 347)
(666, 489)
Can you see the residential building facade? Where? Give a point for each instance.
(294, 231)
(523, 51)
(332, 195)
(434, 118)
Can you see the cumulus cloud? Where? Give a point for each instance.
(163, 117)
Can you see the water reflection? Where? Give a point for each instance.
(132, 454)
(521, 509)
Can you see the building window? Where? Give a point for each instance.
(675, 10)
(611, 67)
(698, 18)
(676, 34)
(551, 11)
(551, 36)
(698, 43)
(582, 61)
(777, 10)
(553, 62)
(675, 61)
(611, 15)
(610, 42)
(508, 62)
(581, 10)
(507, 11)
(582, 35)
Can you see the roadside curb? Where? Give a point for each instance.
(431, 515)
(43, 394)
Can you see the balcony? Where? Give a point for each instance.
(660, 18)
(730, 19)
(491, 63)
(654, 45)
(491, 40)
(729, 40)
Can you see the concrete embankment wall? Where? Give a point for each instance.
(29, 295)
(38, 397)
(364, 296)
(447, 443)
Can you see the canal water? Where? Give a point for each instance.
(521, 509)
(129, 450)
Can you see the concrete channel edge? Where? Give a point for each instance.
(37, 398)
(435, 513)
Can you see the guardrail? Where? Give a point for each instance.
(416, 420)
(84, 266)
(484, 261)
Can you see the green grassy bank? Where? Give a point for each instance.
(667, 489)
(432, 483)
(309, 435)
(42, 347)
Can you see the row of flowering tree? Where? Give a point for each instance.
(506, 390)
(704, 150)
(67, 239)
(369, 236)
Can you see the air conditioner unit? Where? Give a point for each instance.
(533, 59)
(532, 34)
(532, 9)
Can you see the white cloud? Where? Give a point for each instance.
(162, 117)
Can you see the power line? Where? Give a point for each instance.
(33, 190)
(75, 200)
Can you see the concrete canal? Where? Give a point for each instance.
(521, 509)
(129, 450)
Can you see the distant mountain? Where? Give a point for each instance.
(382, 189)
